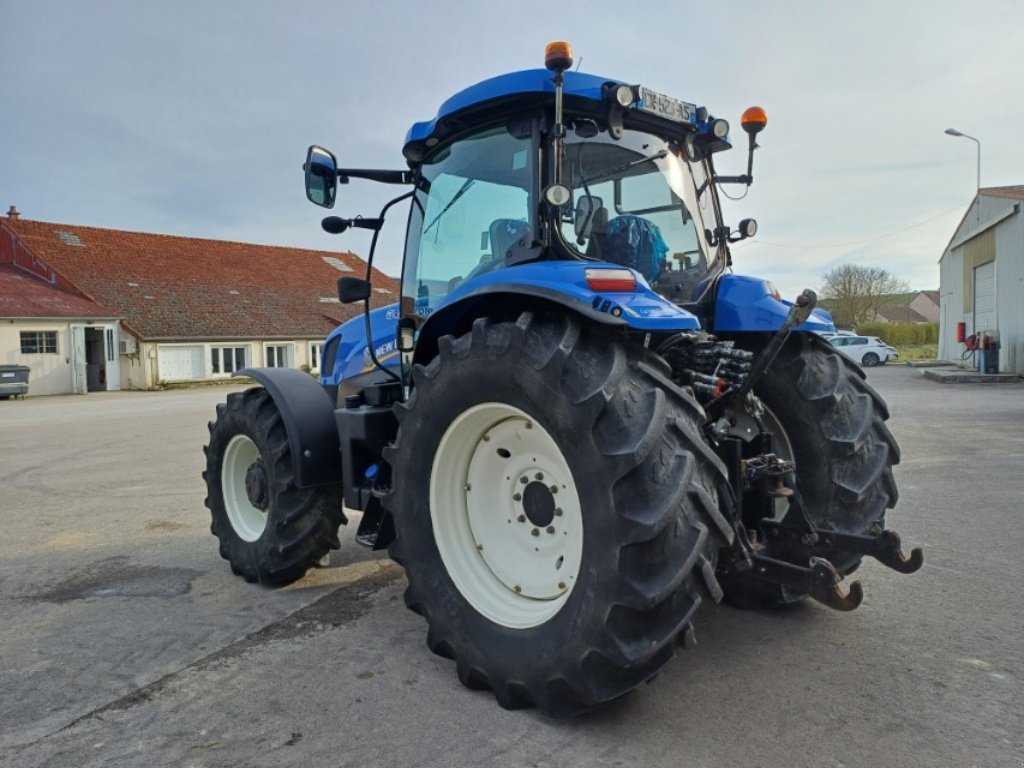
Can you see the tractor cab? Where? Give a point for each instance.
(550, 165)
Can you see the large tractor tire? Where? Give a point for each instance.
(831, 422)
(270, 531)
(555, 511)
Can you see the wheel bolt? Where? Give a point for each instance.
(517, 497)
(535, 532)
(468, 487)
(561, 585)
(517, 588)
(524, 479)
(529, 425)
(553, 489)
(539, 476)
(551, 529)
(480, 547)
(521, 518)
(558, 511)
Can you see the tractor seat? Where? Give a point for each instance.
(634, 242)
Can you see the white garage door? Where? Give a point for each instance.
(179, 363)
(985, 297)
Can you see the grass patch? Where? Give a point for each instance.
(917, 352)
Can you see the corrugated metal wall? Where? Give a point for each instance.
(975, 243)
(1010, 292)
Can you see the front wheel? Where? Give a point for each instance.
(555, 511)
(831, 423)
(270, 530)
(870, 360)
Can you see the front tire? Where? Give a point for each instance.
(870, 360)
(555, 511)
(270, 530)
(834, 424)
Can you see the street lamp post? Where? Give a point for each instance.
(955, 132)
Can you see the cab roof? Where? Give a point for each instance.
(576, 84)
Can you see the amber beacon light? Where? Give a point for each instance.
(558, 56)
(754, 120)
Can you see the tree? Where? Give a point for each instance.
(855, 293)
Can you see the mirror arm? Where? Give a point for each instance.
(383, 176)
(369, 275)
(744, 179)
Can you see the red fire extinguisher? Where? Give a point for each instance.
(961, 332)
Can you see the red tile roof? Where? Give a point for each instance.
(170, 287)
(25, 295)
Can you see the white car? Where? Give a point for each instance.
(869, 351)
(828, 336)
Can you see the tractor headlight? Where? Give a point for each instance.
(720, 128)
(624, 95)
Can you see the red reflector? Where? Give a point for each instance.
(611, 280)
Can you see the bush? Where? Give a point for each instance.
(902, 334)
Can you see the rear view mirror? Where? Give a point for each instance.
(352, 289)
(583, 220)
(321, 176)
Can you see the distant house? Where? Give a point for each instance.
(914, 307)
(919, 307)
(91, 309)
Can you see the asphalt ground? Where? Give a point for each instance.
(126, 641)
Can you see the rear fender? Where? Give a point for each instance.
(750, 304)
(550, 285)
(308, 415)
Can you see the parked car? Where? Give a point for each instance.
(828, 336)
(869, 351)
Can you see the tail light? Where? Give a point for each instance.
(610, 280)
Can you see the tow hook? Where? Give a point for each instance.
(799, 540)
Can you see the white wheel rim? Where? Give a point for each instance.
(511, 546)
(248, 520)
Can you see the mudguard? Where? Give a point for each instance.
(555, 282)
(308, 415)
(749, 304)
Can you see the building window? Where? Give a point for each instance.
(39, 342)
(316, 351)
(227, 360)
(278, 355)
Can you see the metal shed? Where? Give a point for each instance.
(981, 277)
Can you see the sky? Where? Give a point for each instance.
(193, 118)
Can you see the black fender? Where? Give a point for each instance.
(308, 415)
(502, 300)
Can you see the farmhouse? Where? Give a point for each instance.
(90, 309)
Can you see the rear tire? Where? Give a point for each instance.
(844, 453)
(565, 403)
(270, 530)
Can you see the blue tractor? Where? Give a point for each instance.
(577, 425)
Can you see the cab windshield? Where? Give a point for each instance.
(471, 213)
(638, 202)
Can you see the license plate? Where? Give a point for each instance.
(665, 106)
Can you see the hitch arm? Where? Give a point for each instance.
(819, 580)
(884, 547)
